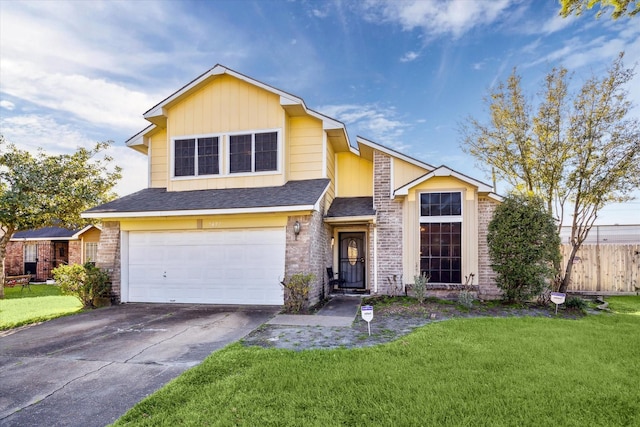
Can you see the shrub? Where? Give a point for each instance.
(420, 287)
(576, 303)
(466, 297)
(85, 282)
(296, 292)
(523, 246)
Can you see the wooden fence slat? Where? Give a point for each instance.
(617, 266)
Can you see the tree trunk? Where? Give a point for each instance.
(566, 280)
(4, 241)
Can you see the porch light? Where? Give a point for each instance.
(333, 241)
(296, 229)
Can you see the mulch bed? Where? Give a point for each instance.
(393, 318)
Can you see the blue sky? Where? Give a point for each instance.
(402, 73)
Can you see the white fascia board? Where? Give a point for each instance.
(139, 138)
(351, 219)
(43, 239)
(316, 205)
(443, 171)
(196, 212)
(496, 197)
(393, 153)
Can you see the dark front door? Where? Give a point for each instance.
(352, 259)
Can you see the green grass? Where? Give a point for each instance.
(470, 372)
(626, 305)
(43, 302)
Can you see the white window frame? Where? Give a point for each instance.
(253, 152)
(195, 167)
(441, 219)
(28, 252)
(94, 250)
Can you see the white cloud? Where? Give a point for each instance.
(8, 105)
(409, 56)
(436, 17)
(377, 123)
(32, 132)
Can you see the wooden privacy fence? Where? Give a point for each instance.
(605, 269)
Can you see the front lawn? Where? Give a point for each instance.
(43, 302)
(481, 371)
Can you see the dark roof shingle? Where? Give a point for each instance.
(351, 206)
(45, 233)
(293, 193)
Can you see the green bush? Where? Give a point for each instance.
(420, 287)
(85, 282)
(577, 303)
(523, 246)
(296, 292)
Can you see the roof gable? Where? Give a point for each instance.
(444, 171)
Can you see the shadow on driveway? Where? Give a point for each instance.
(89, 369)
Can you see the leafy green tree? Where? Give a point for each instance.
(578, 151)
(620, 7)
(43, 190)
(523, 246)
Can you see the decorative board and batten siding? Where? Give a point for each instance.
(411, 220)
(355, 176)
(159, 159)
(304, 154)
(220, 107)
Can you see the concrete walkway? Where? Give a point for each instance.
(340, 311)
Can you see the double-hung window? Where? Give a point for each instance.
(255, 152)
(441, 236)
(196, 156)
(91, 252)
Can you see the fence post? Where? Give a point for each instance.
(598, 272)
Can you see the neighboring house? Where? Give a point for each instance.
(37, 252)
(248, 186)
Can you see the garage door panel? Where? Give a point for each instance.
(224, 267)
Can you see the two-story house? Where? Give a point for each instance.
(248, 186)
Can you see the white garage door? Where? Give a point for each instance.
(216, 267)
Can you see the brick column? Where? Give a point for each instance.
(109, 254)
(389, 225)
(487, 288)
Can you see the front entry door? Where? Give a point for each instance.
(352, 259)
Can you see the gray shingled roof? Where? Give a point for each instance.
(45, 233)
(293, 193)
(351, 206)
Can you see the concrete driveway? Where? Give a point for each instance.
(89, 369)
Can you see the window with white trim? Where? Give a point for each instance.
(441, 236)
(196, 156)
(30, 252)
(91, 252)
(254, 152)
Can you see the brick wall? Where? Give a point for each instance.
(13, 262)
(388, 223)
(487, 288)
(75, 252)
(309, 252)
(109, 254)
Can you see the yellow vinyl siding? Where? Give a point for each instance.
(305, 148)
(159, 160)
(331, 174)
(91, 235)
(210, 222)
(411, 232)
(222, 106)
(405, 172)
(354, 175)
(225, 104)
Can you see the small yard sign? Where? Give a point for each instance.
(367, 315)
(557, 298)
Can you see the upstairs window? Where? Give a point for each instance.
(256, 152)
(196, 156)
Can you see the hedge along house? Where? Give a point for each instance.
(38, 252)
(248, 186)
